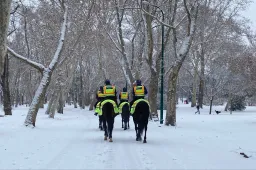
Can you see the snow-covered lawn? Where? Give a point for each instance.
(73, 141)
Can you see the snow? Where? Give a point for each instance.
(73, 141)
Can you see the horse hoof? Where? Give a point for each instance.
(139, 139)
(125, 128)
(105, 137)
(110, 140)
(144, 141)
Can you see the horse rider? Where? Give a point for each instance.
(109, 91)
(99, 96)
(139, 91)
(123, 96)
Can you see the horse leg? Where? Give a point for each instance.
(125, 122)
(110, 128)
(136, 130)
(140, 128)
(125, 125)
(145, 135)
(122, 120)
(100, 122)
(105, 129)
(128, 121)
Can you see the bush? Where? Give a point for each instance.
(237, 103)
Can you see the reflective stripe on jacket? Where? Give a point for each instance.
(124, 95)
(139, 90)
(109, 90)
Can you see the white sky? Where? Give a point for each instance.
(250, 13)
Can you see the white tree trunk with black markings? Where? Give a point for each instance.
(47, 73)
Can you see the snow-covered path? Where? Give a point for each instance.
(73, 141)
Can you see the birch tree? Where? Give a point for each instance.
(46, 71)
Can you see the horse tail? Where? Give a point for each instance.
(108, 109)
(126, 111)
(143, 111)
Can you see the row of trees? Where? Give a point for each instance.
(61, 51)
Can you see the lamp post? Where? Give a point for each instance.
(162, 64)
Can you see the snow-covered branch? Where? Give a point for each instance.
(36, 65)
(61, 40)
(114, 42)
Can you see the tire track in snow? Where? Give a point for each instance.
(65, 151)
(161, 148)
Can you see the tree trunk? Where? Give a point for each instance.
(49, 105)
(211, 105)
(61, 103)
(54, 104)
(22, 99)
(17, 97)
(201, 83)
(171, 98)
(193, 102)
(5, 7)
(93, 101)
(75, 99)
(152, 95)
(6, 90)
(92, 104)
(82, 95)
(87, 99)
(124, 60)
(41, 104)
(46, 72)
(40, 92)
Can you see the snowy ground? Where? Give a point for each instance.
(73, 141)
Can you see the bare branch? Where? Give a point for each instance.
(114, 42)
(167, 25)
(188, 15)
(36, 65)
(11, 32)
(15, 9)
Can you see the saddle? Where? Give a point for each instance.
(121, 106)
(135, 104)
(100, 105)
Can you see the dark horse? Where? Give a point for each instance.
(140, 119)
(125, 116)
(100, 123)
(108, 117)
